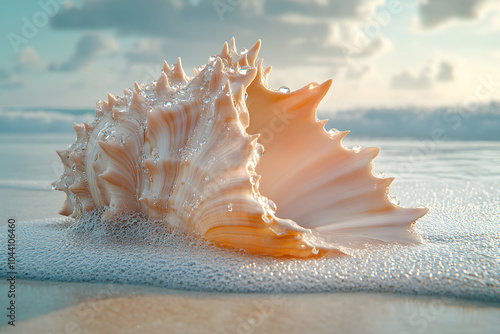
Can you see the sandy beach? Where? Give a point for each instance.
(112, 308)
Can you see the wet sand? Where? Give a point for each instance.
(56, 307)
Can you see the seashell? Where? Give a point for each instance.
(222, 156)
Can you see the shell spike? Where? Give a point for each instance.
(179, 72)
(225, 51)
(253, 52)
(386, 183)
(226, 87)
(216, 76)
(232, 44)
(321, 90)
(166, 68)
(137, 88)
(137, 104)
(163, 86)
(341, 134)
(112, 101)
(262, 73)
(310, 96)
(267, 71)
(105, 106)
(195, 71)
(80, 130)
(87, 127)
(243, 61)
(59, 184)
(254, 138)
(63, 154)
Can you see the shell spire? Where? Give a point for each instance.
(190, 152)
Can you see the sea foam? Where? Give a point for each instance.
(459, 256)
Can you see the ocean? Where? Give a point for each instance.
(456, 269)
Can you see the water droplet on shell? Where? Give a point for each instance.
(244, 70)
(254, 179)
(272, 206)
(394, 200)
(259, 150)
(332, 132)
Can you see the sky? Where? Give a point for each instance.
(380, 54)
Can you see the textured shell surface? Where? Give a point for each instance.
(221, 156)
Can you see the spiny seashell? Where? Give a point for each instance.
(190, 152)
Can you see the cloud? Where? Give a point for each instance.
(446, 72)
(176, 18)
(9, 81)
(425, 78)
(357, 73)
(434, 13)
(147, 50)
(87, 49)
(413, 80)
(194, 25)
(495, 21)
(360, 9)
(28, 60)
